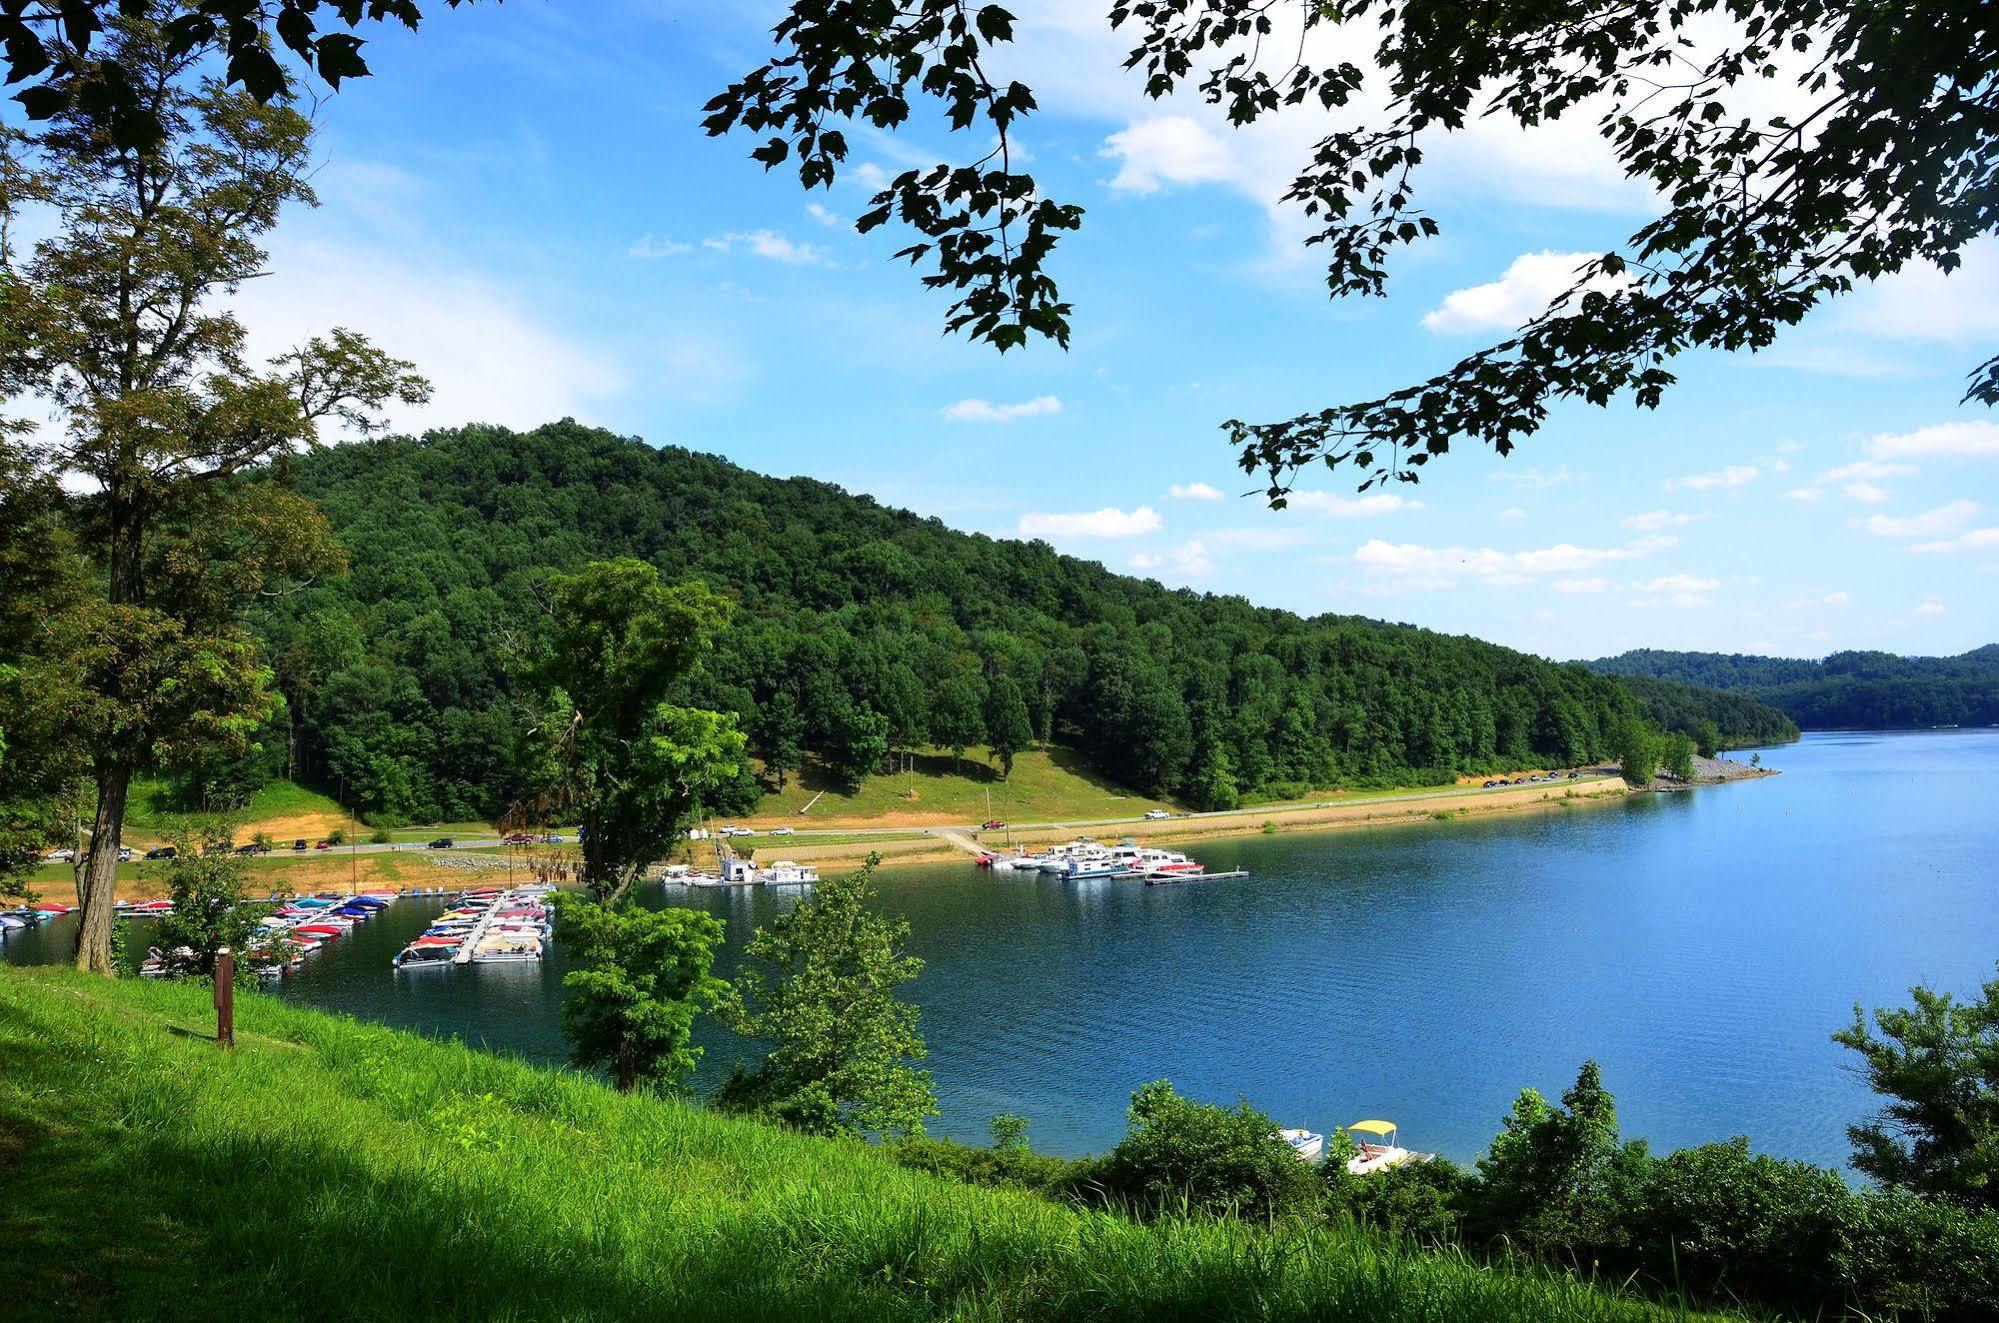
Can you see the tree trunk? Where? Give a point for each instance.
(98, 894)
(628, 1067)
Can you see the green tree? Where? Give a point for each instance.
(1215, 1160)
(1007, 728)
(1676, 755)
(207, 885)
(780, 735)
(858, 743)
(644, 976)
(1637, 750)
(954, 716)
(1937, 1065)
(840, 1042)
(1707, 737)
(1546, 1178)
(633, 766)
(114, 323)
(1211, 784)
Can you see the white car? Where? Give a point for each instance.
(61, 856)
(733, 830)
(1154, 815)
(783, 831)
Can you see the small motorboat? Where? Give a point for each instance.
(1379, 1151)
(422, 955)
(1309, 1145)
(785, 873)
(322, 930)
(54, 907)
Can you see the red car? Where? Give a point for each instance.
(324, 845)
(519, 838)
(992, 825)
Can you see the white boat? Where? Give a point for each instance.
(424, 957)
(1309, 1145)
(1379, 1151)
(684, 875)
(785, 873)
(506, 949)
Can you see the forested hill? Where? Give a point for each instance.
(1847, 690)
(859, 628)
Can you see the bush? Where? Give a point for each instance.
(1720, 1220)
(1178, 1153)
(1927, 1258)
(1011, 1166)
(1418, 1201)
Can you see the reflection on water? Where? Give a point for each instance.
(1701, 946)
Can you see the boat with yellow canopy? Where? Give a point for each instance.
(1376, 1149)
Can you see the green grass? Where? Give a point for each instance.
(1047, 785)
(328, 1169)
(150, 808)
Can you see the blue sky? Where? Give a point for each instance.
(526, 206)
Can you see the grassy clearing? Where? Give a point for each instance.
(1047, 785)
(333, 1170)
(151, 812)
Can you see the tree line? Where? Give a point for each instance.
(1844, 691)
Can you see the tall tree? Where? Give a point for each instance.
(1937, 1065)
(1007, 728)
(841, 1043)
(633, 765)
(955, 721)
(113, 323)
(780, 735)
(644, 976)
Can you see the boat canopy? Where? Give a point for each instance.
(1374, 1127)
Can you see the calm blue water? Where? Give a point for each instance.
(1701, 946)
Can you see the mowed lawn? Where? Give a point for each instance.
(328, 1169)
(1047, 785)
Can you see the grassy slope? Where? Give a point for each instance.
(329, 1169)
(1046, 785)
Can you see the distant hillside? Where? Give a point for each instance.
(1742, 721)
(405, 680)
(1848, 690)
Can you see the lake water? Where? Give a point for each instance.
(1701, 946)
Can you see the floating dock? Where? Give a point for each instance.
(1175, 879)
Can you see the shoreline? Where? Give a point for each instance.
(942, 843)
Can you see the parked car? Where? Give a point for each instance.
(299, 844)
(62, 856)
(784, 831)
(1156, 814)
(1488, 785)
(991, 824)
(163, 852)
(324, 845)
(253, 848)
(518, 838)
(441, 843)
(124, 854)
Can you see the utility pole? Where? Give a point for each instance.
(225, 999)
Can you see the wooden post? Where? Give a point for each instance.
(225, 998)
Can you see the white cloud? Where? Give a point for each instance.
(467, 333)
(1957, 439)
(1789, 447)
(1654, 520)
(1678, 583)
(1930, 608)
(1530, 283)
(767, 244)
(1189, 560)
(1513, 512)
(1592, 585)
(985, 411)
(1194, 491)
(1108, 522)
(1533, 479)
(1836, 599)
(819, 213)
(1336, 506)
(1946, 518)
(1978, 539)
(1867, 491)
(1922, 303)
(1860, 480)
(1172, 149)
(1735, 475)
(658, 245)
(1440, 566)
(1804, 493)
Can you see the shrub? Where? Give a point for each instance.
(1419, 1201)
(1178, 1153)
